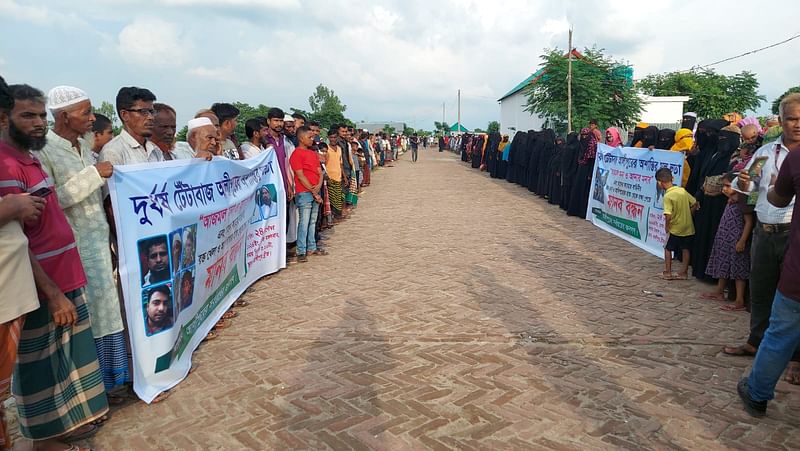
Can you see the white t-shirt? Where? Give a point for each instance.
(17, 288)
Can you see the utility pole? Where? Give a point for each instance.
(444, 132)
(569, 84)
(458, 128)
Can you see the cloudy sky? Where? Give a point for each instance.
(387, 60)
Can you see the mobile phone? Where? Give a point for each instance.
(42, 192)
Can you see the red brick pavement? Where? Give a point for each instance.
(460, 312)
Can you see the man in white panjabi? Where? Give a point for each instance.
(67, 158)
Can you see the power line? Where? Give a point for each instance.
(744, 54)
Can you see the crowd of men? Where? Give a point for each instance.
(62, 326)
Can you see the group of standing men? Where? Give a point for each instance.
(62, 328)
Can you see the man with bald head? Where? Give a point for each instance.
(67, 159)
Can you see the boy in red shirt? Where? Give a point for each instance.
(308, 182)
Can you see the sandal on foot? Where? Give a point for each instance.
(667, 276)
(302, 258)
(211, 336)
(733, 308)
(100, 421)
(712, 296)
(230, 314)
(793, 373)
(241, 303)
(161, 396)
(680, 276)
(83, 432)
(320, 252)
(221, 324)
(738, 351)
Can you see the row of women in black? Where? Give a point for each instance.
(561, 171)
(546, 164)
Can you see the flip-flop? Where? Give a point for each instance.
(712, 297)
(738, 351)
(230, 314)
(666, 276)
(241, 303)
(733, 308)
(210, 336)
(681, 277)
(75, 436)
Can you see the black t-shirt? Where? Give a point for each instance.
(787, 185)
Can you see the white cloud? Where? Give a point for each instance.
(223, 74)
(384, 58)
(153, 42)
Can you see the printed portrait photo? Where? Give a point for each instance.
(266, 206)
(175, 249)
(184, 289)
(154, 260)
(158, 309)
(189, 245)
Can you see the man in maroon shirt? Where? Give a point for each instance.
(783, 334)
(57, 363)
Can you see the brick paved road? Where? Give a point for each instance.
(475, 316)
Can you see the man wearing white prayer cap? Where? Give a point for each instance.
(67, 158)
(289, 128)
(202, 135)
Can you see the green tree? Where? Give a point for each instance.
(181, 135)
(602, 89)
(108, 110)
(441, 127)
(478, 130)
(408, 131)
(493, 127)
(388, 129)
(777, 103)
(712, 94)
(327, 108)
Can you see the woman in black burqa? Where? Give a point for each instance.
(545, 155)
(554, 173)
(569, 167)
(712, 204)
(513, 166)
(532, 179)
(579, 197)
(706, 142)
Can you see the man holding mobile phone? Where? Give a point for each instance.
(61, 320)
(771, 235)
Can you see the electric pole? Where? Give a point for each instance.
(569, 84)
(458, 127)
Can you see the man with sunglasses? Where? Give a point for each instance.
(133, 144)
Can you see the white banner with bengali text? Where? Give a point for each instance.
(625, 200)
(192, 236)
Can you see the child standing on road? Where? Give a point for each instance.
(678, 208)
(730, 256)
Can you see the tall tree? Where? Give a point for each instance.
(388, 129)
(777, 103)
(108, 110)
(712, 94)
(326, 107)
(493, 127)
(602, 89)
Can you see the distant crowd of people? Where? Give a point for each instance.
(730, 218)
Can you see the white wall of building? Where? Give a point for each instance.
(513, 115)
(656, 110)
(663, 110)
